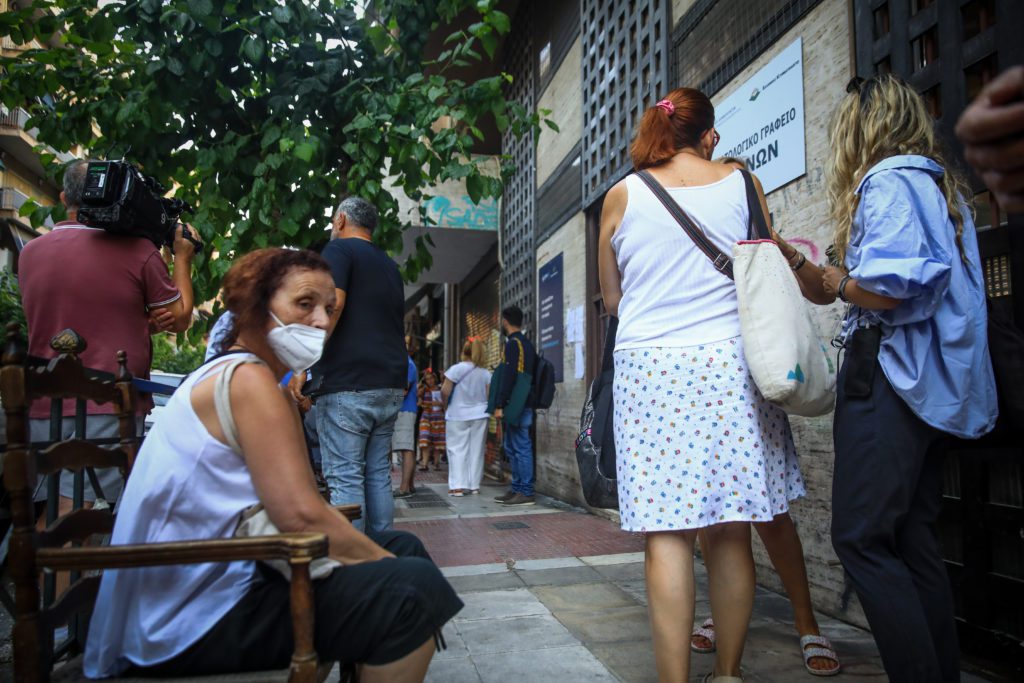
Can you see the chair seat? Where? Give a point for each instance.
(72, 673)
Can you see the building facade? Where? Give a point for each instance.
(775, 70)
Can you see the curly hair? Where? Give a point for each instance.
(255, 278)
(879, 118)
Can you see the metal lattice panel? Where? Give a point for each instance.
(625, 65)
(517, 238)
(716, 39)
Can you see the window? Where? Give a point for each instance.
(918, 5)
(977, 15)
(933, 100)
(924, 49)
(881, 21)
(977, 75)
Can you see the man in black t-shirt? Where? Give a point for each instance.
(361, 377)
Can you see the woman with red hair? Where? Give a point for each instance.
(697, 445)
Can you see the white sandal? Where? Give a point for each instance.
(710, 677)
(824, 650)
(705, 630)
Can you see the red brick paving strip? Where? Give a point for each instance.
(454, 542)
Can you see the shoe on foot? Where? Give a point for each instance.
(706, 632)
(710, 677)
(474, 492)
(503, 497)
(424, 469)
(822, 648)
(399, 493)
(519, 499)
(457, 493)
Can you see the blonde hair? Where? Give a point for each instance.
(879, 118)
(474, 352)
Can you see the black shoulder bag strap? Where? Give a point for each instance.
(758, 227)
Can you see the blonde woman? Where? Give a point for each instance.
(464, 394)
(916, 369)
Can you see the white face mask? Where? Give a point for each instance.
(298, 346)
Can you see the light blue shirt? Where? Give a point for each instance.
(934, 348)
(218, 333)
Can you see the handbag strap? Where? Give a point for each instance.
(719, 260)
(758, 225)
(222, 401)
(608, 359)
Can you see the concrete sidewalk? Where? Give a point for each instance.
(555, 594)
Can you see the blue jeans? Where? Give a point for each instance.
(355, 429)
(519, 450)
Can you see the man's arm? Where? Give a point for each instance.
(339, 306)
(508, 373)
(180, 308)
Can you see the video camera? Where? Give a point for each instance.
(122, 201)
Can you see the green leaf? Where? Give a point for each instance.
(475, 187)
(304, 151)
(552, 125)
(200, 8)
(500, 21)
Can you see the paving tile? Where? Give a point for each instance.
(499, 605)
(612, 625)
(475, 569)
(564, 665)
(617, 558)
(549, 563)
(452, 671)
(622, 572)
(635, 589)
(485, 582)
(583, 597)
(558, 577)
(455, 645)
(633, 661)
(526, 635)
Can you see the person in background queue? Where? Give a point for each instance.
(403, 441)
(916, 369)
(360, 382)
(514, 406)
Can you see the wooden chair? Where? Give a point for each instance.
(32, 551)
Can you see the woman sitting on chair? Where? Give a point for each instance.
(202, 465)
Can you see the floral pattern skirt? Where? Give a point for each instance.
(696, 443)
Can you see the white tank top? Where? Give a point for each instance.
(672, 295)
(185, 485)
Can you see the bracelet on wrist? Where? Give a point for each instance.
(799, 263)
(841, 289)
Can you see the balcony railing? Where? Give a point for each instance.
(12, 199)
(13, 118)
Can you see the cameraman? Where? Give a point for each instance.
(114, 291)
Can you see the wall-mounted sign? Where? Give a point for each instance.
(550, 322)
(763, 120)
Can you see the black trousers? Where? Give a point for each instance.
(373, 613)
(886, 499)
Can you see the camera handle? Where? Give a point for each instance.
(187, 234)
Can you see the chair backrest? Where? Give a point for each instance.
(21, 382)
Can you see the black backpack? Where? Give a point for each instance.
(544, 383)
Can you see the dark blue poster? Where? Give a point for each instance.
(551, 321)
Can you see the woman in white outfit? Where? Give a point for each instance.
(464, 394)
(697, 445)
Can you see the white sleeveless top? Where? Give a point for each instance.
(672, 295)
(185, 485)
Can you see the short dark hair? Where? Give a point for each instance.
(359, 211)
(74, 183)
(513, 315)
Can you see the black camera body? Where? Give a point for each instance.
(122, 201)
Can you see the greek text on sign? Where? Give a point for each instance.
(762, 122)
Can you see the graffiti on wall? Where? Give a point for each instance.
(449, 212)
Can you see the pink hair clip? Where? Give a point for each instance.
(667, 106)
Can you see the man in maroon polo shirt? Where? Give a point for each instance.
(114, 291)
